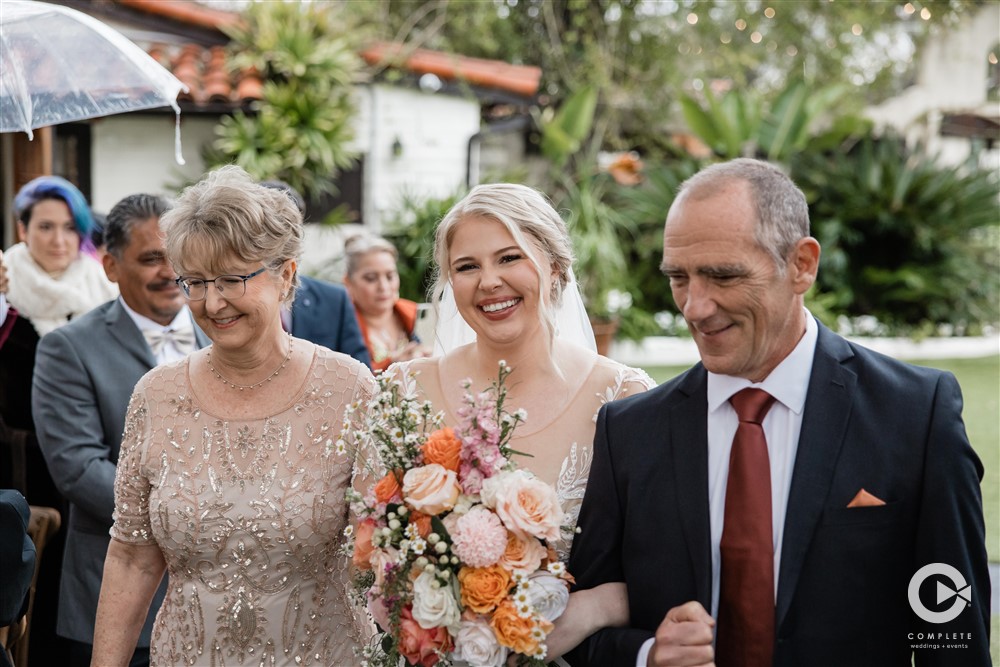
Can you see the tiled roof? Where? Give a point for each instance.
(204, 68)
(517, 79)
(204, 71)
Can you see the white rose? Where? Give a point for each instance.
(548, 594)
(476, 644)
(434, 606)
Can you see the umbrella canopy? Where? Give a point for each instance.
(59, 65)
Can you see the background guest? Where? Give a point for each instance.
(80, 394)
(226, 475)
(52, 277)
(322, 312)
(387, 321)
(17, 564)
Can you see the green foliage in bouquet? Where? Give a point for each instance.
(905, 239)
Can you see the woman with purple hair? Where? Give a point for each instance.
(52, 276)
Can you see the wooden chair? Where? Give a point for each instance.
(44, 523)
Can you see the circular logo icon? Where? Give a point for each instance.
(961, 592)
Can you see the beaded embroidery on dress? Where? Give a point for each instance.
(249, 515)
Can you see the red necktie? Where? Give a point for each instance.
(746, 588)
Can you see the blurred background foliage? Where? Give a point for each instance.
(906, 240)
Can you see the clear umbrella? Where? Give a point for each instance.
(59, 65)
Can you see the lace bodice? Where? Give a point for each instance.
(572, 431)
(249, 516)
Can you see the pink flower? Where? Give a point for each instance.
(480, 538)
(420, 646)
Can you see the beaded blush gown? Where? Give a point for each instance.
(567, 437)
(249, 515)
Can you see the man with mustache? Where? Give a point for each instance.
(84, 376)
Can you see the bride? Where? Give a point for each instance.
(506, 292)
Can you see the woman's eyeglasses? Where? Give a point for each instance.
(229, 286)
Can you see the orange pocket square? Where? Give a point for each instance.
(865, 499)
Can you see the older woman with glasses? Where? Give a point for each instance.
(225, 478)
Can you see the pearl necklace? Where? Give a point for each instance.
(243, 387)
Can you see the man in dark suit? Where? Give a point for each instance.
(322, 312)
(797, 535)
(84, 375)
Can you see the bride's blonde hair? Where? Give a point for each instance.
(528, 216)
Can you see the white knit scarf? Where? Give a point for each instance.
(49, 301)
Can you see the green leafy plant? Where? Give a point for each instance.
(411, 229)
(905, 239)
(302, 126)
(742, 123)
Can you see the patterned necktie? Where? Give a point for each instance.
(746, 588)
(182, 339)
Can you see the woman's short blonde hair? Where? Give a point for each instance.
(360, 245)
(530, 219)
(228, 214)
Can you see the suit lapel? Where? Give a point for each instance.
(123, 329)
(689, 445)
(825, 417)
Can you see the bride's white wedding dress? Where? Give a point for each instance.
(561, 444)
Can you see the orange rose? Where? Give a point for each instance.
(522, 555)
(422, 522)
(388, 489)
(483, 588)
(363, 544)
(516, 632)
(443, 448)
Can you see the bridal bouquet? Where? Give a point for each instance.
(453, 542)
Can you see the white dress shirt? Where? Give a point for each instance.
(169, 351)
(789, 384)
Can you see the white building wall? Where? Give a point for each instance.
(134, 153)
(433, 132)
(952, 78)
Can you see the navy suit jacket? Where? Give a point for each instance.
(17, 558)
(322, 313)
(869, 422)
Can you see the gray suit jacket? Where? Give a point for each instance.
(84, 376)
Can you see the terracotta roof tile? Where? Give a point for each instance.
(518, 79)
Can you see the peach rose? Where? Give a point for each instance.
(388, 489)
(430, 489)
(363, 547)
(442, 447)
(523, 554)
(525, 504)
(516, 632)
(420, 646)
(483, 588)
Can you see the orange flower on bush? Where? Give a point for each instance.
(388, 489)
(483, 588)
(363, 544)
(443, 448)
(516, 632)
